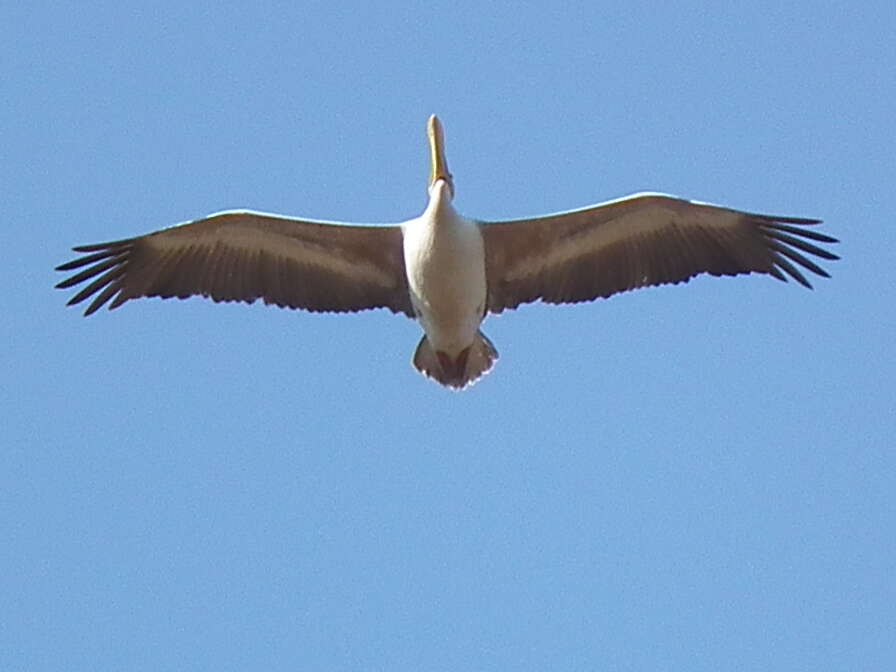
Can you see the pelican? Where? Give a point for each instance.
(442, 269)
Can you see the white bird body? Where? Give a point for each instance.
(445, 261)
(445, 270)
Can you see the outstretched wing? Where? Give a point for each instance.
(639, 241)
(244, 256)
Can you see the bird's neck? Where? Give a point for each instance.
(440, 197)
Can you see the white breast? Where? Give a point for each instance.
(445, 262)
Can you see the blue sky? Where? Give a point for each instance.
(698, 477)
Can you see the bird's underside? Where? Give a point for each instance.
(639, 241)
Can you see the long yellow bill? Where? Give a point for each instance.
(439, 169)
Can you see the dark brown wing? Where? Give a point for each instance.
(640, 241)
(244, 256)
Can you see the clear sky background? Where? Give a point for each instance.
(697, 477)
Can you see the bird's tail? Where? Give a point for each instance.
(458, 372)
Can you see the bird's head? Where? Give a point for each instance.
(439, 170)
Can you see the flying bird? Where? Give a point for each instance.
(443, 269)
